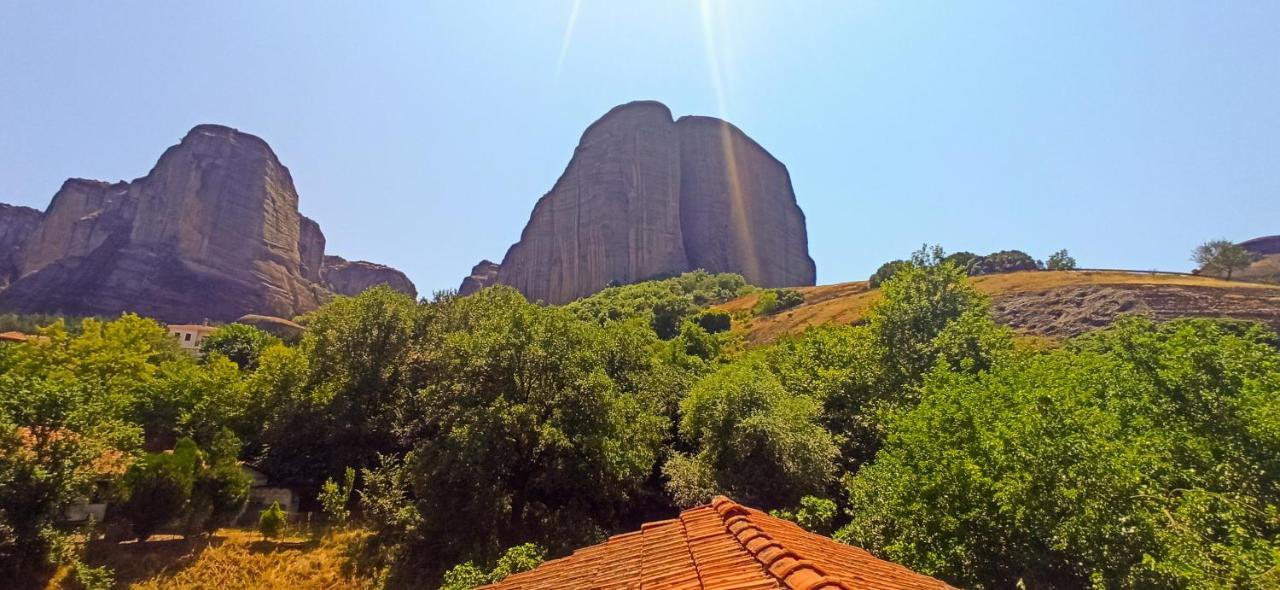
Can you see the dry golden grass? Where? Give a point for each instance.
(233, 558)
(846, 303)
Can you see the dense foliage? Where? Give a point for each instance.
(1143, 456)
(664, 304)
(477, 430)
(776, 300)
(1221, 258)
(1002, 262)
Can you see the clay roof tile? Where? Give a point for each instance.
(721, 546)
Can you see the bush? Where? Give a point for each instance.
(1141, 456)
(757, 442)
(886, 271)
(715, 321)
(468, 575)
(816, 515)
(1002, 262)
(776, 300)
(333, 498)
(159, 488)
(218, 496)
(1061, 260)
(271, 522)
(241, 343)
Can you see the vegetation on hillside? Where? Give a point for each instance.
(474, 436)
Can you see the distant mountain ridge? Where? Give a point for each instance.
(646, 196)
(212, 232)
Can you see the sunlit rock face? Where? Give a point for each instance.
(352, 277)
(645, 196)
(212, 232)
(482, 275)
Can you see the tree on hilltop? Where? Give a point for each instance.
(1221, 257)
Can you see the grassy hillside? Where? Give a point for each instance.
(231, 558)
(1044, 303)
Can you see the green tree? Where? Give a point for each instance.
(336, 400)
(272, 521)
(221, 488)
(1002, 262)
(664, 304)
(159, 488)
(468, 575)
(814, 514)
(535, 414)
(753, 440)
(241, 343)
(916, 305)
(715, 321)
(1061, 260)
(1142, 456)
(885, 272)
(1221, 257)
(334, 497)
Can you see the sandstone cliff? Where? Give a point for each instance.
(645, 196)
(16, 224)
(212, 232)
(350, 277)
(482, 275)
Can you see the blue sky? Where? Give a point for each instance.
(420, 134)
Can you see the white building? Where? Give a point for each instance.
(189, 336)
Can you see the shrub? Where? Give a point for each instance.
(886, 271)
(271, 522)
(715, 321)
(468, 575)
(776, 300)
(759, 443)
(218, 495)
(1002, 262)
(333, 498)
(814, 514)
(1061, 260)
(1141, 456)
(159, 488)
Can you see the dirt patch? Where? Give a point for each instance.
(1055, 304)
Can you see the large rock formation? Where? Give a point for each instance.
(482, 275)
(16, 224)
(645, 196)
(212, 232)
(350, 277)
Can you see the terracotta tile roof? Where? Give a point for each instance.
(13, 337)
(723, 546)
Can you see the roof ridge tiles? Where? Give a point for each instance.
(783, 563)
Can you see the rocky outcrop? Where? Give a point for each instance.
(1265, 267)
(351, 277)
(212, 232)
(16, 224)
(1264, 246)
(482, 275)
(645, 196)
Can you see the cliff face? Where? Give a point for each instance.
(350, 277)
(16, 225)
(483, 274)
(645, 196)
(212, 232)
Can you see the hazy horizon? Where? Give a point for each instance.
(421, 135)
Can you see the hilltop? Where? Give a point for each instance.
(1041, 303)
